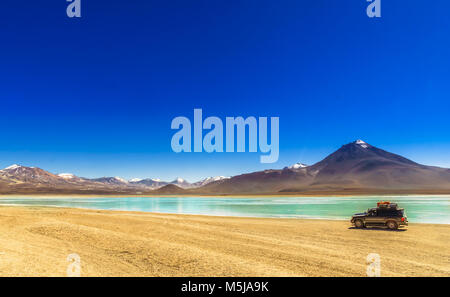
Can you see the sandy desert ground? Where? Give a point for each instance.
(35, 241)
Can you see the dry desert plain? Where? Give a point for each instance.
(35, 241)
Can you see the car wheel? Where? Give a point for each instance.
(392, 225)
(359, 224)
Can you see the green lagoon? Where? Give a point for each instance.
(419, 209)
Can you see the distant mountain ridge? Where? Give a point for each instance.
(18, 178)
(356, 167)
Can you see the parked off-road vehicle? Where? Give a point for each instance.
(386, 214)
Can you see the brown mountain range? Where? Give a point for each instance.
(355, 168)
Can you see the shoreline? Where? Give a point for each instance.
(35, 241)
(191, 214)
(70, 202)
(212, 196)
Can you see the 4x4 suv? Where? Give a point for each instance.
(386, 214)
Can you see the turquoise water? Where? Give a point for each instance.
(419, 209)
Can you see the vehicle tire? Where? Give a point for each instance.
(392, 225)
(359, 224)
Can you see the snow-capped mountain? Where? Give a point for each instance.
(208, 180)
(12, 167)
(135, 180)
(20, 174)
(356, 166)
(298, 166)
(153, 183)
(66, 175)
(362, 143)
(118, 181)
(182, 183)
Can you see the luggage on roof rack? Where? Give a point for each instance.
(383, 203)
(386, 204)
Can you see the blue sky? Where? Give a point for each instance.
(95, 96)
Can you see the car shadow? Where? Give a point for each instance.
(377, 229)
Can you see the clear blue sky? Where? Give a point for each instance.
(95, 96)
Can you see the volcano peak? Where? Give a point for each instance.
(361, 143)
